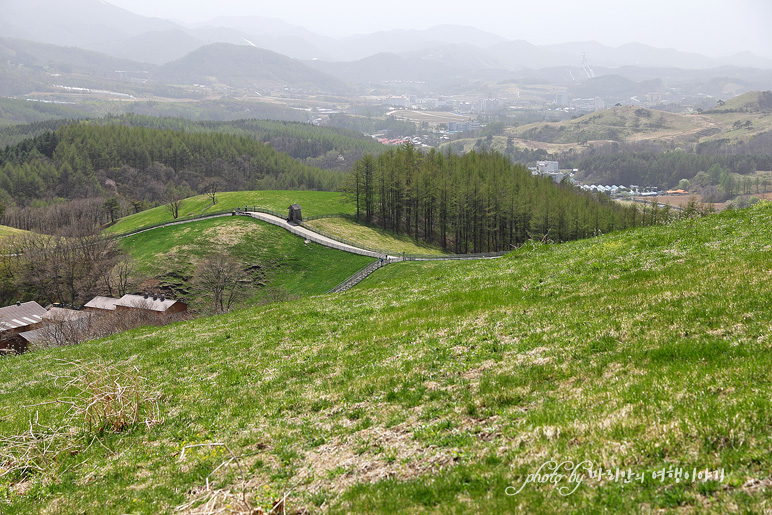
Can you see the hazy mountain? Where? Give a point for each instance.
(272, 34)
(461, 57)
(277, 35)
(83, 23)
(400, 41)
(385, 67)
(27, 67)
(632, 54)
(746, 59)
(246, 67)
(55, 59)
(97, 25)
(614, 87)
(522, 54)
(156, 47)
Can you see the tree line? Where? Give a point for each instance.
(303, 141)
(656, 165)
(85, 159)
(477, 202)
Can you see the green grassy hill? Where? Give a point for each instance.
(626, 123)
(280, 264)
(313, 203)
(430, 388)
(371, 237)
(630, 124)
(751, 102)
(6, 232)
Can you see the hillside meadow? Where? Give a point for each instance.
(372, 237)
(634, 124)
(313, 203)
(9, 232)
(435, 387)
(280, 265)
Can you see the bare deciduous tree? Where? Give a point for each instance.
(222, 279)
(68, 327)
(173, 202)
(122, 277)
(211, 186)
(61, 270)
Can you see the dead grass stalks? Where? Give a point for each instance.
(111, 399)
(34, 450)
(209, 501)
(106, 399)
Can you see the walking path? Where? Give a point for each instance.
(316, 237)
(382, 259)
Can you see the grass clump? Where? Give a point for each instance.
(109, 398)
(99, 398)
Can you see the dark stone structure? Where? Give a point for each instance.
(295, 216)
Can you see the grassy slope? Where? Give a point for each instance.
(432, 387)
(750, 101)
(6, 231)
(312, 202)
(617, 123)
(288, 266)
(373, 237)
(629, 123)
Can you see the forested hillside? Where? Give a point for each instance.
(139, 163)
(477, 202)
(325, 147)
(650, 164)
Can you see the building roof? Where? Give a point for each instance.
(61, 314)
(36, 336)
(106, 303)
(140, 302)
(21, 315)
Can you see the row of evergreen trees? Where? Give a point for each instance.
(477, 202)
(665, 165)
(85, 159)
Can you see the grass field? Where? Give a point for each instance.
(312, 202)
(373, 237)
(619, 124)
(430, 117)
(438, 387)
(282, 264)
(6, 232)
(629, 123)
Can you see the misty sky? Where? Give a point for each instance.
(712, 27)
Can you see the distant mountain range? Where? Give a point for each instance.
(99, 26)
(46, 44)
(246, 67)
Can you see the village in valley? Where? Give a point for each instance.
(266, 258)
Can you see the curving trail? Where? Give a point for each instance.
(381, 259)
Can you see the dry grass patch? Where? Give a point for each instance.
(368, 456)
(230, 235)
